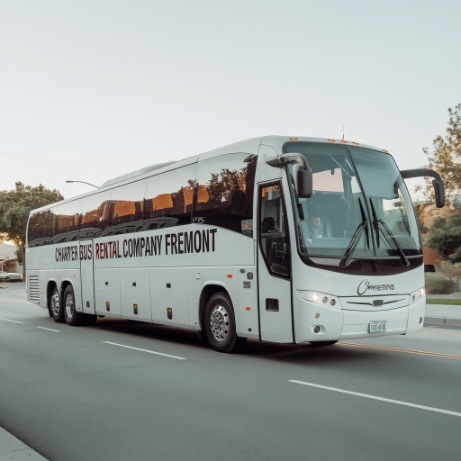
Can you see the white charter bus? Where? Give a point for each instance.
(289, 240)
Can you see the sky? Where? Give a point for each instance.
(93, 89)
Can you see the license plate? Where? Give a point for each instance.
(377, 326)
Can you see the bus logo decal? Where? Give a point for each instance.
(366, 285)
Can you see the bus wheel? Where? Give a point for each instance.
(220, 328)
(71, 316)
(323, 343)
(55, 306)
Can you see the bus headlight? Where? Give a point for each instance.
(417, 295)
(320, 299)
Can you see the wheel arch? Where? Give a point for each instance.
(207, 292)
(64, 285)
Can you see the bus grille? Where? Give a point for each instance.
(34, 289)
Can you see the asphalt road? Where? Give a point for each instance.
(127, 391)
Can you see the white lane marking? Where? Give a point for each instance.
(49, 329)
(145, 350)
(8, 320)
(375, 397)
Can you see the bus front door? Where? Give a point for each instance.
(87, 275)
(274, 267)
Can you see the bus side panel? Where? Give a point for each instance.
(241, 291)
(246, 308)
(170, 292)
(275, 310)
(135, 294)
(107, 291)
(87, 279)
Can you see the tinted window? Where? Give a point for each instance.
(168, 198)
(224, 191)
(94, 215)
(273, 231)
(40, 229)
(126, 208)
(66, 222)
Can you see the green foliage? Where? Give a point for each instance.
(15, 206)
(446, 156)
(445, 236)
(419, 210)
(438, 283)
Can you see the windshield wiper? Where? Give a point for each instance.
(381, 226)
(356, 238)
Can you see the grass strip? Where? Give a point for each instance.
(449, 302)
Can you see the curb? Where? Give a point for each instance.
(12, 449)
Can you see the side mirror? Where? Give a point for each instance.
(304, 183)
(439, 193)
(304, 178)
(437, 183)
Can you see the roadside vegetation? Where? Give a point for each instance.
(15, 206)
(444, 233)
(448, 302)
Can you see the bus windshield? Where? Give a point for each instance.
(360, 207)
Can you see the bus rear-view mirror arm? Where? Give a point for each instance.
(303, 175)
(437, 183)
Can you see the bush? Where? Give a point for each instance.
(437, 283)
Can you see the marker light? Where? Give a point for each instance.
(417, 295)
(320, 299)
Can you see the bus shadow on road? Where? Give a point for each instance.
(288, 353)
(152, 331)
(306, 353)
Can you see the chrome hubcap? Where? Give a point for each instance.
(219, 323)
(69, 306)
(55, 303)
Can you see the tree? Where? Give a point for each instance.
(445, 236)
(446, 156)
(15, 206)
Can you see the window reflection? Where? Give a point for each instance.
(94, 217)
(225, 195)
(274, 231)
(219, 196)
(66, 222)
(126, 208)
(40, 230)
(168, 199)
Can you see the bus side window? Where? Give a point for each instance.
(168, 198)
(273, 235)
(40, 229)
(66, 222)
(94, 215)
(224, 191)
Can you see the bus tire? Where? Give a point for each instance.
(71, 316)
(322, 343)
(56, 311)
(220, 330)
